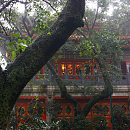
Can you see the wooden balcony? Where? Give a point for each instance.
(45, 85)
(48, 79)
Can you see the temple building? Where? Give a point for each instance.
(76, 69)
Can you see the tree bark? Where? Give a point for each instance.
(29, 62)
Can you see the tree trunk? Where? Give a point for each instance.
(29, 62)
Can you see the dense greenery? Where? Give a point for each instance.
(121, 118)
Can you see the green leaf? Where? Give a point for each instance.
(80, 53)
(49, 33)
(19, 40)
(13, 55)
(16, 35)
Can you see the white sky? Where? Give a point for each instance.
(92, 5)
(3, 63)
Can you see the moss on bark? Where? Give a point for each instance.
(29, 62)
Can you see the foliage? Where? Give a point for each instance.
(121, 118)
(120, 19)
(54, 109)
(22, 28)
(106, 46)
(76, 122)
(100, 123)
(30, 118)
(79, 122)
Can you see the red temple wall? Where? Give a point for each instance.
(68, 109)
(23, 102)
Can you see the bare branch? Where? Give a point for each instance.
(5, 32)
(22, 2)
(32, 32)
(86, 22)
(19, 31)
(125, 22)
(95, 17)
(6, 5)
(50, 5)
(23, 20)
(81, 33)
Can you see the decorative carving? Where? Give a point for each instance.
(68, 110)
(101, 109)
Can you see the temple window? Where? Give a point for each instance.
(78, 69)
(70, 70)
(101, 109)
(21, 110)
(68, 110)
(95, 69)
(60, 110)
(124, 108)
(87, 70)
(63, 67)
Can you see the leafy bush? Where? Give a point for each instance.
(121, 118)
(28, 119)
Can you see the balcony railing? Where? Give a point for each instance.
(49, 79)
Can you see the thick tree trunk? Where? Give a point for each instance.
(29, 62)
(93, 101)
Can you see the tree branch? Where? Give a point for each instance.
(125, 22)
(81, 33)
(104, 93)
(50, 5)
(106, 78)
(23, 20)
(95, 17)
(29, 62)
(6, 5)
(5, 32)
(93, 101)
(86, 22)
